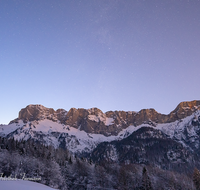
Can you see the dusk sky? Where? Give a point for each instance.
(110, 54)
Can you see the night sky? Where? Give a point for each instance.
(111, 54)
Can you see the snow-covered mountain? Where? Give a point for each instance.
(81, 130)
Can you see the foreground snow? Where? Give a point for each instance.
(22, 185)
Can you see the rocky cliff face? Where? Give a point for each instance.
(39, 112)
(110, 123)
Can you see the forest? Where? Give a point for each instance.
(60, 169)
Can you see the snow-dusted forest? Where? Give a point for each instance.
(60, 169)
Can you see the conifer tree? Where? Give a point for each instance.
(146, 182)
(70, 160)
(196, 178)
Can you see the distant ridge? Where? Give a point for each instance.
(110, 123)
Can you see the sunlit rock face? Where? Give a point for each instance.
(36, 112)
(110, 123)
(39, 112)
(183, 110)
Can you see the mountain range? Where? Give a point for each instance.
(144, 137)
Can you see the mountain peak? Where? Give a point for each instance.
(185, 109)
(35, 112)
(188, 105)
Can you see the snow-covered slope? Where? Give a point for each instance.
(54, 133)
(186, 131)
(60, 135)
(22, 185)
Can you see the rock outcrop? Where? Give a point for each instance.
(110, 123)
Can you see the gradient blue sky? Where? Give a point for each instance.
(111, 54)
